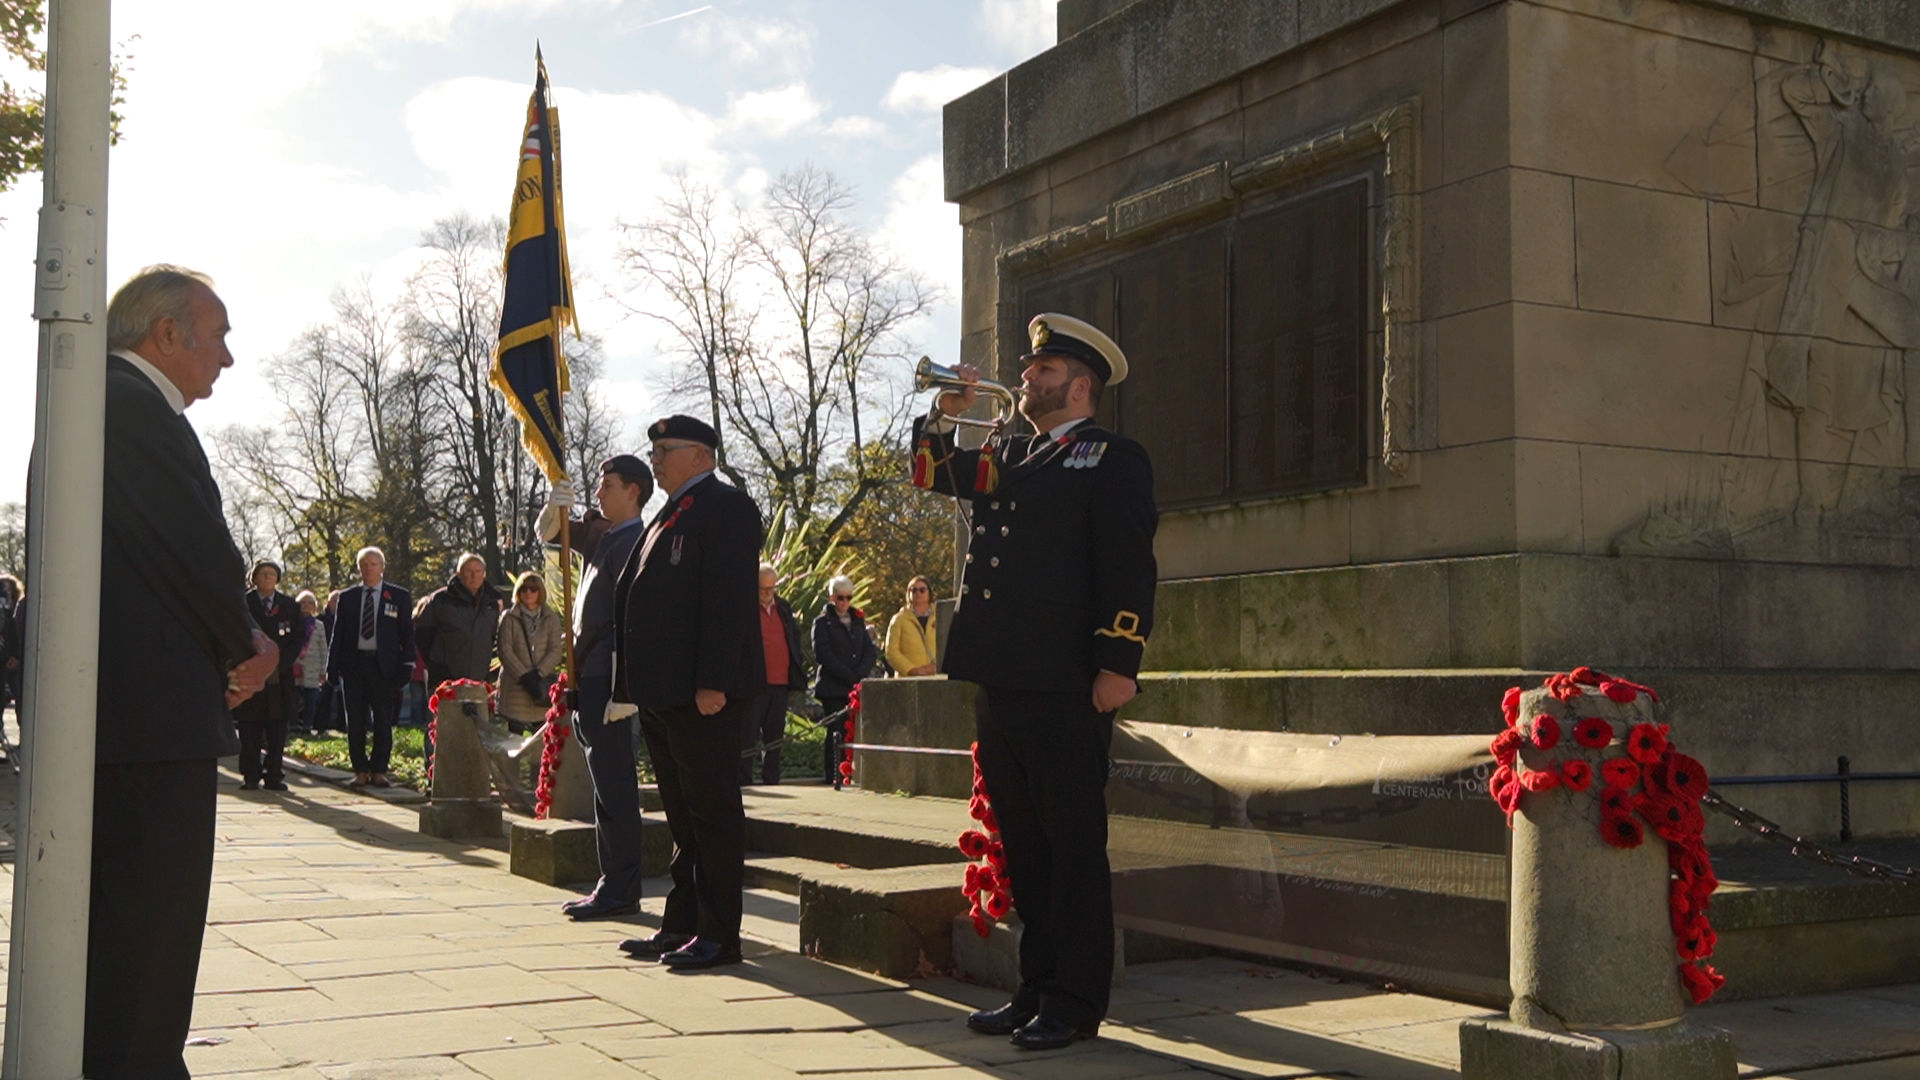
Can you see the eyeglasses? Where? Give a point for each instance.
(838, 596)
(918, 588)
(656, 451)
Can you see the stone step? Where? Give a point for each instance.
(782, 873)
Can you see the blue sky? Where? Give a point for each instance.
(291, 149)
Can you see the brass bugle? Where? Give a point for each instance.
(928, 375)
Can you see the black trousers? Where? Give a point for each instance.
(372, 703)
(1044, 759)
(765, 723)
(696, 762)
(152, 868)
(262, 724)
(616, 790)
(836, 733)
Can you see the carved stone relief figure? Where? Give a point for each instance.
(1818, 449)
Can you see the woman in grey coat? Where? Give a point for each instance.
(530, 649)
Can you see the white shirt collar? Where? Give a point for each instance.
(171, 392)
(1062, 429)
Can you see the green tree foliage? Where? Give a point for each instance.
(23, 110)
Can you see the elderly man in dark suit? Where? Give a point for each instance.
(177, 651)
(689, 657)
(262, 718)
(372, 656)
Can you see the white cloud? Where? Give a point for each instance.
(779, 48)
(929, 90)
(921, 228)
(855, 127)
(773, 114)
(1024, 27)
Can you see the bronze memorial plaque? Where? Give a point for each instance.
(1248, 340)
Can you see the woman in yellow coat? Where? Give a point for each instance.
(910, 636)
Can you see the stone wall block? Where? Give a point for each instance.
(1196, 627)
(1277, 534)
(1366, 87)
(1046, 113)
(1641, 252)
(973, 138)
(1475, 102)
(1617, 380)
(915, 712)
(1185, 48)
(1472, 369)
(1324, 17)
(1618, 613)
(1680, 19)
(1467, 251)
(1678, 114)
(1463, 505)
(1482, 622)
(1807, 616)
(1542, 228)
(1655, 502)
(1547, 496)
(1072, 16)
(1345, 618)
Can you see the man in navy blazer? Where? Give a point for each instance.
(372, 656)
(177, 651)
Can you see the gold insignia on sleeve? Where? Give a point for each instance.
(1039, 332)
(1126, 626)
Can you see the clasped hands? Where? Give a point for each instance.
(247, 677)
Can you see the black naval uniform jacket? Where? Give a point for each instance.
(282, 625)
(1060, 569)
(686, 608)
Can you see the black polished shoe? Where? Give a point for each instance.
(655, 947)
(698, 955)
(275, 785)
(249, 785)
(599, 907)
(1004, 1020)
(1046, 1033)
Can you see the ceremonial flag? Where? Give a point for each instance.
(529, 367)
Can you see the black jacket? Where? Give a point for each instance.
(455, 630)
(171, 622)
(1060, 569)
(685, 607)
(845, 653)
(282, 624)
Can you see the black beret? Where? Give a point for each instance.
(684, 427)
(628, 468)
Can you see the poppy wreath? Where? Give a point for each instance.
(444, 692)
(1651, 788)
(846, 751)
(553, 740)
(987, 886)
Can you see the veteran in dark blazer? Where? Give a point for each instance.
(688, 656)
(177, 651)
(262, 718)
(372, 655)
(1054, 613)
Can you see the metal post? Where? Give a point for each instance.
(47, 968)
(1846, 801)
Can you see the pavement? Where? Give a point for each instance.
(343, 944)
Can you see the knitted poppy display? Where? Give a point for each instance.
(553, 740)
(1651, 788)
(445, 692)
(988, 890)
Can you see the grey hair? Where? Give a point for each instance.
(159, 292)
(769, 568)
(841, 583)
(466, 557)
(369, 550)
(305, 595)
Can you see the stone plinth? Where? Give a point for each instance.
(1596, 991)
(558, 852)
(892, 922)
(463, 803)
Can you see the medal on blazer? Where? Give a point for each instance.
(673, 559)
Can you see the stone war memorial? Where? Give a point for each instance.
(1473, 341)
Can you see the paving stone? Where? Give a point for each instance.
(225, 971)
(421, 1068)
(237, 1050)
(556, 1016)
(258, 935)
(327, 1042)
(573, 1061)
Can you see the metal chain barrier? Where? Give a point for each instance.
(1807, 849)
(817, 725)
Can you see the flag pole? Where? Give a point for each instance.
(47, 963)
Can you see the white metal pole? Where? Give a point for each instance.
(47, 968)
